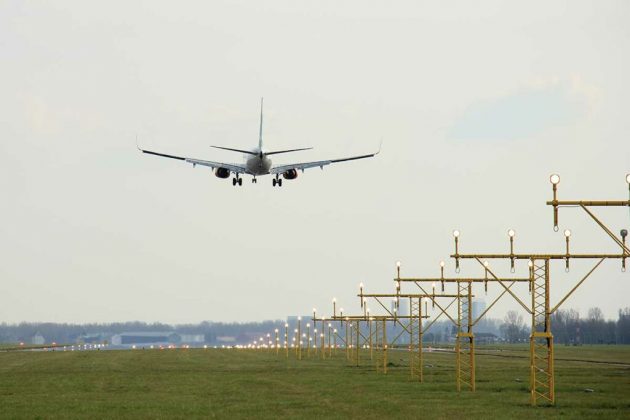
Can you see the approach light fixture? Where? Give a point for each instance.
(623, 234)
(511, 234)
(456, 236)
(567, 234)
(555, 180)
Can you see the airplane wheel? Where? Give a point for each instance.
(233, 181)
(279, 183)
(240, 182)
(273, 182)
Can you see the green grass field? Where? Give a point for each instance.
(258, 384)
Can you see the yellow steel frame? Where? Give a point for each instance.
(465, 344)
(541, 340)
(415, 338)
(381, 346)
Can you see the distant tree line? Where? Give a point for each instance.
(567, 327)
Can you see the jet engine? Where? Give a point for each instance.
(290, 174)
(222, 173)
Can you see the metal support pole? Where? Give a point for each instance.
(322, 338)
(299, 339)
(347, 344)
(384, 346)
(465, 345)
(357, 332)
(329, 340)
(541, 340)
(371, 344)
(286, 340)
(415, 338)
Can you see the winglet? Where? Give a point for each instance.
(138, 147)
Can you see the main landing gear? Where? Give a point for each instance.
(237, 180)
(277, 181)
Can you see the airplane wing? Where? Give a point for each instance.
(321, 163)
(233, 167)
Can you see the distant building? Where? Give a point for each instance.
(403, 306)
(130, 338)
(486, 338)
(91, 339)
(192, 338)
(38, 339)
(478, 306)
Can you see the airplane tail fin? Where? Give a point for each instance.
(260, 140)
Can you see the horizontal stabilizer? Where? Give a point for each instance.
(287, 151)
(249, 152)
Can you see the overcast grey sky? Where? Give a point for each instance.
(477, 104)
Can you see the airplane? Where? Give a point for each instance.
(257, 162)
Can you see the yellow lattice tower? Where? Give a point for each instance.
(542, 378)
(415, 338)
(463, 322)
(381, 345)
(465, 344)
(541, 339)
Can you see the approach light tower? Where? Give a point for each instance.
(542, 380)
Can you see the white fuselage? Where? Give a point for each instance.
(257, 165)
